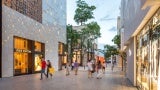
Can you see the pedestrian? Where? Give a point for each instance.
(67, 69)
(49, 66)
(43, 67)
(112, 65)
(72, 65)
(76, 67)
(99, 70)
(90, 69)
(103, 67)
(93, 66)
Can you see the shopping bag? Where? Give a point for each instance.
(51, 70)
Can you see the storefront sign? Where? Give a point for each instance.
(22, 50)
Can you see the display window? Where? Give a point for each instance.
(38, 46)
(154, 65)
(77, 56)
(37, 62)
(27, 56)
(142, 65)
(148, 55)
(20, 63)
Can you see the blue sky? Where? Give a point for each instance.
(106, 14)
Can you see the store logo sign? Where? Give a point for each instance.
(22, 50)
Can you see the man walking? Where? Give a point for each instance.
(43, 67)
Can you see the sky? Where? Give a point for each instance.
(105, 15)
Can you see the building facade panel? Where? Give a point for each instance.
(54, 15)
(30, 8)
(130, 62)
(132, 16)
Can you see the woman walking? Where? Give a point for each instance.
(103, 67)
(49, 66)
(76, 67)
(90, 69)
(67, 68)
(99, 70)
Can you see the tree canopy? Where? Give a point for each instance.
(83, 12)
(117, 40)
(110, 50)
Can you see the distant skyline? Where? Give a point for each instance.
(106, 14)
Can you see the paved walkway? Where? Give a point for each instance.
(112, 80)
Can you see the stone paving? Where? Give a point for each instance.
(111, 80)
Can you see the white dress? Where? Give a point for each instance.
(90, 68)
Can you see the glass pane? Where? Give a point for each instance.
(37, 62)
(38, 46)
(20, 63)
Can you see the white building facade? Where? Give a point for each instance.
(140, 39)
(25, 40)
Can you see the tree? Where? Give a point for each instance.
(88, 35)
(110, 50)
(91, 31)
(83, 12)
(117, 40)
(72, 39)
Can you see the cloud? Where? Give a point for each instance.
(113, 29)
(107, 18)
(101, 45)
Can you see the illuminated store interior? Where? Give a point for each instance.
(27, 56)
(148, 55)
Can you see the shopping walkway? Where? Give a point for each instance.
(112, 80)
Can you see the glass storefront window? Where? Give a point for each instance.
(27, 56)
(154, 65)
(38, 46)
(37, 62)
(20, 43)
(77, 56)
(20, 63)
(143, 60)
(60, 48)
(148, 55)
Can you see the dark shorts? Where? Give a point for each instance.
(103, 67)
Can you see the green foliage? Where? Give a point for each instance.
(89, 34)
(93, 29)
(117, 40)
(72, 35)
(110, 50)
(72, 39)
(83, 12)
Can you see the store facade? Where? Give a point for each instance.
(140, 37)
(148, 55)
(25, 41)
